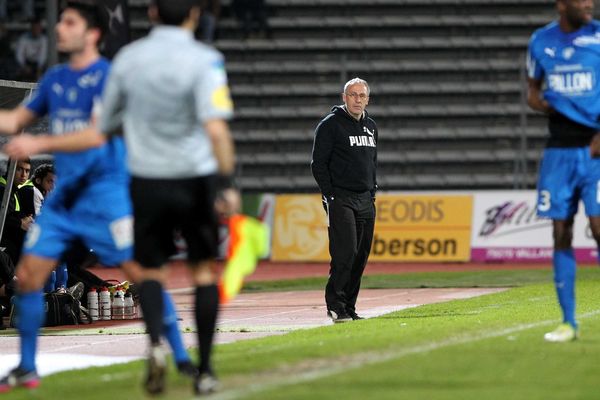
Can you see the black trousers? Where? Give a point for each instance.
(351, 223)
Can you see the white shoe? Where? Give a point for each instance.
(156, 369)
(564, 333)
(206, 384)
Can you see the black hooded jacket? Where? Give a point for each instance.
(345, 153)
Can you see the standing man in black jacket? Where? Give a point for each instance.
(344, 164)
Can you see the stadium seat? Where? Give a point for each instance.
(445, 79)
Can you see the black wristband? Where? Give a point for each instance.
(225, 182)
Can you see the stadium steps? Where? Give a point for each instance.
(432, 93)
(410, 88)
(381, 65)
(455, 134)
(441, 157)
(327, 74)
(399, 21)
(383, 25)
(368, 45)
(313, 114)
(445, 87)
(445, 78)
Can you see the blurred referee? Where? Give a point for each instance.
(170, 93)
(344, 163)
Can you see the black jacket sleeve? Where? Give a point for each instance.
(374, 190)
(12, 224)
(321, 154)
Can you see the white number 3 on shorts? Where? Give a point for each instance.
(544, 201)
(121, 231)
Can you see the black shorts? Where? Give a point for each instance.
(163, 206)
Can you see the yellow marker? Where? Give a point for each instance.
(248, 242)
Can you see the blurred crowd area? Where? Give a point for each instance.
(23, 55)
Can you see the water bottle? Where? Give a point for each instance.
(118, 306)
(104, 304)
(120, 291)
(92, 303)
(129, 306)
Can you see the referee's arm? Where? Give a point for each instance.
(222, 143)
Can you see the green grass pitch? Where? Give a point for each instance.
(489, 347)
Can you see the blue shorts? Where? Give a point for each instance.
(566, 176)
(102, 224)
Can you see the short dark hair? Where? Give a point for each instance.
(26, 160)
(93, 14)
(174, 12)
(42, 171)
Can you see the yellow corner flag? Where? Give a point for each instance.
(248, 242)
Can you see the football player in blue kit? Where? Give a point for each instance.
(91, 201)
(564, 83)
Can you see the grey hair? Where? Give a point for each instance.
(354, 81)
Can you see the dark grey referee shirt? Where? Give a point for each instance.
(161, 89)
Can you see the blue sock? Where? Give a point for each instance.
(30, 316)
(564, 280)
(50, 283)
(62, 276)
(171, 330)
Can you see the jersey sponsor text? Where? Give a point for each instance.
(571, 83)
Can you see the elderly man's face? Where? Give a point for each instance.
(356, 99)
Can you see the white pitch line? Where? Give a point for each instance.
(360, 360)
(52, 363)
(122, 338)
(266, 315)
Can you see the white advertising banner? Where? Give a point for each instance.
(507, 228)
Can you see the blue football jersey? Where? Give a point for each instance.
(569, 65)
(70, 98)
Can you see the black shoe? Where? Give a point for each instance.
(354, 315)
(340, 317)
(156, 369)
(206, 383)
(187, 369)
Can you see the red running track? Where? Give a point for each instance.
(269, 271)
